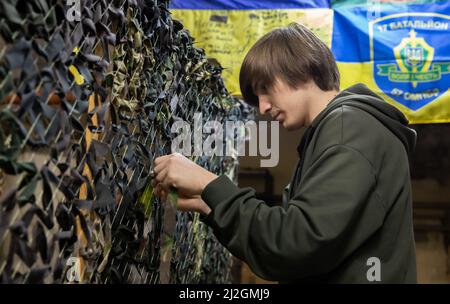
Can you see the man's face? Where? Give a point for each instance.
(289, 106)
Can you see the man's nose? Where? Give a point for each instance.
(264, 106)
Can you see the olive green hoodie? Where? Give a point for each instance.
(347, 208)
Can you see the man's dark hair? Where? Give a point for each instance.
(292, 54)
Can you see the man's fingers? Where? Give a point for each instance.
(159, 167)
(161, 159)
(161, 178)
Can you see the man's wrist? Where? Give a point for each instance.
(208, 179)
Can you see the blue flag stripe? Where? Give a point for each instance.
(247, 4)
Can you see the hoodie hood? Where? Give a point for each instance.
(362, 97)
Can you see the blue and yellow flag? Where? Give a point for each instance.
(226, 29)
(401, 51)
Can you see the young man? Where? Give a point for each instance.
(347, 214)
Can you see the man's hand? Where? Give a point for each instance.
(184, 203)
(193, 204)
(187, 177)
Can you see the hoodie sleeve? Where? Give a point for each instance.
(334, 210)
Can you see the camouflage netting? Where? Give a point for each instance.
(85, 107)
